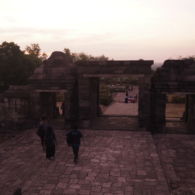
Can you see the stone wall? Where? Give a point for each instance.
(191, 115)
(144, 102)
(15, 108)
(139, 67)
(80, 84)
(173, 77)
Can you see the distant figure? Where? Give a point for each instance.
(126, 93)
(50, 143)
(18, 191)
(74, 139)
(41, 130)
(57, 112)
(126, 99)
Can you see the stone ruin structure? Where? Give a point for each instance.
(175, 76)
(79, 86)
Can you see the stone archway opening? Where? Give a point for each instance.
(176, 113)
(118, 96)
(53, 105)
(110, 108)
(60, 104)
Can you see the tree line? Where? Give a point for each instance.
(17, 65)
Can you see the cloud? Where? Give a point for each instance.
(18, 30)
(54, 35)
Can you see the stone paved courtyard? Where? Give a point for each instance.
(177, 154)
(111, 162)
(118, 107)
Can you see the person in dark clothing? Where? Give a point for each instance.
(18, 191)
(50, 143)
(41, 130)
(74, 136)
(126, 92)
(126, 99)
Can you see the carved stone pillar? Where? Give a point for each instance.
(191, 114)
(35, 106)
(94, 97)
(157, 117)
(144, 103)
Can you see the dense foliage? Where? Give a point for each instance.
(105, 95)
(84, 57)
(16, 65)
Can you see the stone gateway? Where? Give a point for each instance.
(77, 86)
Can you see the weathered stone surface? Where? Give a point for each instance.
(99, 69)
(111, 162)
(175, 76)
(79, 83)
(177, 155)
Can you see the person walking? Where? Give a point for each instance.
(50, 143)
(74, 139)
(41, 130)
(18, 191)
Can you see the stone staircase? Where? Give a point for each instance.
(124, 123)
(116, 123)
(175, 127)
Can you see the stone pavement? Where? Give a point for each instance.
(118, 107)
(111, 162)
(121, 108)
(177, 154)
(118, 115)
(116, 123)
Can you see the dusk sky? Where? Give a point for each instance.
(119, 29)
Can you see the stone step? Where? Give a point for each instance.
(116, 123)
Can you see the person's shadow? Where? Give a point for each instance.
(18, 191)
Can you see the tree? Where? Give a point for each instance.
(83, 56)
(10, 64)
(43, 56)
(34, 57)
(15, 66)
(33, 50)
(67, 52)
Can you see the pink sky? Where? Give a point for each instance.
(119, 29)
